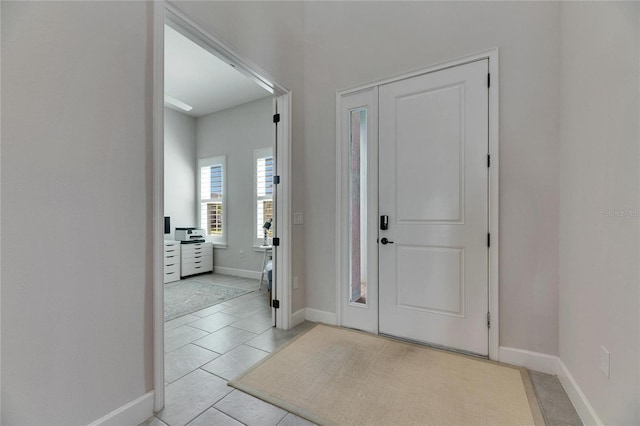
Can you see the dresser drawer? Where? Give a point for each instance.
(191, 248)
(171, 251)
(172, 259)
(202, 261)
(195, 269)
(171, 247)
(197, 254)
(172, 272)
(196, 265)
(173, 267)
(195, 250)
(171, 276)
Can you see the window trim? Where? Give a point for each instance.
(219, 240)
(259, 153)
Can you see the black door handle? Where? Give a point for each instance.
(385, 241)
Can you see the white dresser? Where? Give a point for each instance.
(171, 261)
(196, 258)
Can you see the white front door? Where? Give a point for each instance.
(433, 186)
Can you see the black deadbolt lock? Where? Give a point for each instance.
(384, 222)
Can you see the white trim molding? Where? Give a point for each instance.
(316, 315)
(235, 272)
(298, 317)
(211, 42)
(282, 253)
(532, 360)
(158, 203)
(132, 413)
(579, 400)
(494, 201)
(551, 364)
(0, 237)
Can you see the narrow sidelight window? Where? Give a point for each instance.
(358, 206)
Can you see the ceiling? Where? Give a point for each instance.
(196, 77)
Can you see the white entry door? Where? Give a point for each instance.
(433, 186)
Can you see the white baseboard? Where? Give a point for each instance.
(243, 273)
(553, 365)
(579, 400)
(532, 360)
(298, 317)
(316, 315)
(132, 413)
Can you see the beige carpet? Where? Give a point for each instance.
(335, 376)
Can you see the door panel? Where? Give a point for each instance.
(426, 191)
(433, 184)
(445, 272)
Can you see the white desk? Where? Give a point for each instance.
(267, 251)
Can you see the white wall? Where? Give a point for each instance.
(272, 35)
(82, 347)
(599, 172)
(76, 209)
(367, 41)
(179, 170)
(236, 132)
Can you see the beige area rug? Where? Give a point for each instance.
(335, 376)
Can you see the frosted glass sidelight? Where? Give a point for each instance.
(357, 206)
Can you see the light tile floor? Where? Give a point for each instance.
(206, 349)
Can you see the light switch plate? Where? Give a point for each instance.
(298, 218)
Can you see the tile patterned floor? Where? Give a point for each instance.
(207, 348)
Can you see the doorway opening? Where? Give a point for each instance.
(221, 197)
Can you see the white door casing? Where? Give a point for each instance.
(433, 177)
(169, 13)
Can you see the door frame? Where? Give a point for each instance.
(166, 12)
(342, 198)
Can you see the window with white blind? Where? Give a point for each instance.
(212, 196)
(263, 192)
